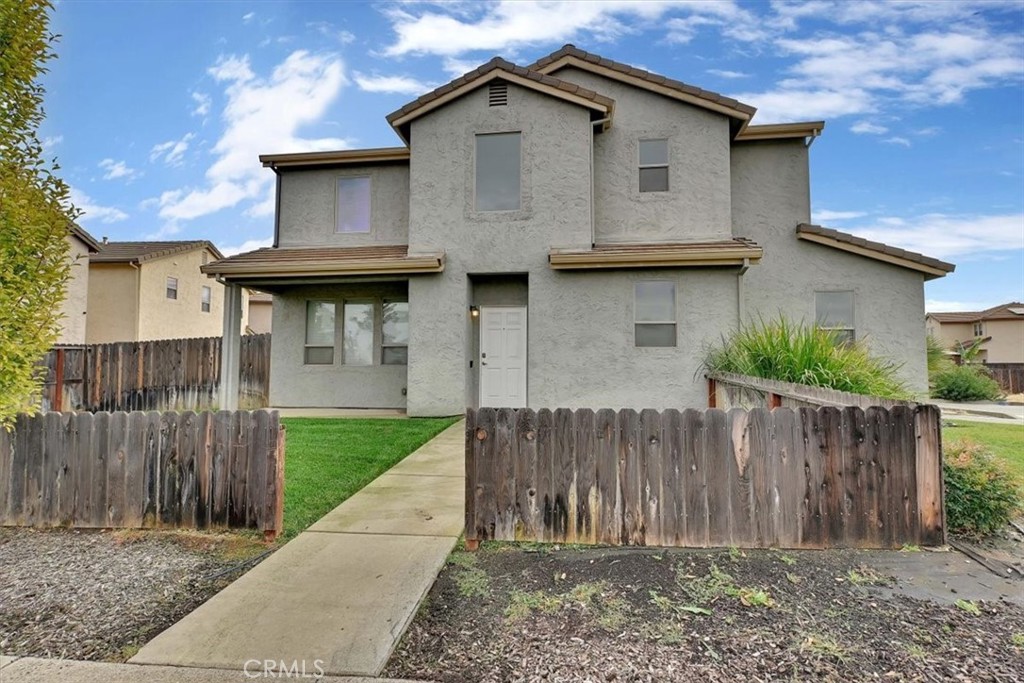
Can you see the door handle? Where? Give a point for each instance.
(482, 363)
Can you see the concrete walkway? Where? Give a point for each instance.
(342, 592)
(981, 411)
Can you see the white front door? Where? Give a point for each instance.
(503, 357)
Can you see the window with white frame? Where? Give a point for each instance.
(319, 333)
(979, 329)
(172, 288)
(654, 313)
(834, 311)
(654, 165)
(498, 166)
(394, 337)
(205, 299)
(353, 207)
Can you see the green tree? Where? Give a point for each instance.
(34, 209)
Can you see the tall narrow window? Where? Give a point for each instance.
(319, 333)
(497, 171)
(395, 333)
(172, 288)
(834, 311)
(207, 297)
(979, 330)
(654, 165)
(358, 333)
(654, 313)
(353, 213)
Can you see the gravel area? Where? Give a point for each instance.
(101, 595)
(510, 613)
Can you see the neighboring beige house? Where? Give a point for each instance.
(141, 291)
(73, 311)
(569, 234)
(261, 309)
(1001, 328)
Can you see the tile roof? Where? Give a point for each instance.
(911, 257)
(85, 237)
(727, 252)
(278, 262)
(1010, 311)
(140, 252)
(570, 50)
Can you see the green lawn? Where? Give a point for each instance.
(327, 460)
(1004, 440)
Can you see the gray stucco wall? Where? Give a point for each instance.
(770, 190)
(292, 383)
(555, 210)
(309, 205)
(697, 205)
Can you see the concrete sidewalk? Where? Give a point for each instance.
(35, 670)
(982, 411)
(341, 593)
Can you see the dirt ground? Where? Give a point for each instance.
(521, 613)
(101, 595)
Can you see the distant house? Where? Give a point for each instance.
(141, 291)
(1001, 328)
(76, 299)
(261, 309)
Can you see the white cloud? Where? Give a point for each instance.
(248, 245)
(117, 169)
(329, 30)
(203, 102)
(457, 67)
(944, 236)
(91, 211)
(928, 131)
(172, 151)
(726, 73)
(51, 141)
(897, 140)
(941, 306)
(825, 216)
(801, 104)
(392, 84)
(868, 128)
(248, 16)
(261, 114)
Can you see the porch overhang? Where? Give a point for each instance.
(724, 253)
(284, 265)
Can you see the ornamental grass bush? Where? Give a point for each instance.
(965, 383)
(805, 354)
(982, 495)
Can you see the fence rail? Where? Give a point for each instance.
(144, 470)
(801, 478)
(729, 390)
(167, 374)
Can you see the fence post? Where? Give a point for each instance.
(712, 393)
(58, 393)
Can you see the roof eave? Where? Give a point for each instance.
(566, 259)
(336, 157)
(930, 272)
(781, 131)
(398, 266)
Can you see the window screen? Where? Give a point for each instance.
(319, 333)
(207, 296)
(654, 165)
(395, 333)
(654, 311)
(353, 204)
(834, 311)
(497, 172)
(172, 288)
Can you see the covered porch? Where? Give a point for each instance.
(341, 323)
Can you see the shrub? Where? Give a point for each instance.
(982, 495)
(938, 357)
(965, 383)
(805, 354)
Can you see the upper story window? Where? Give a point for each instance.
(979, 329)
(319, 333)
(498, 172)
(353, 211)
(654, 313)
(654, 165)
(172, 288)
(206, 299)
(834, 311)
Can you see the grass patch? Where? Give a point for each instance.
(522, 604)
(472, 582)
(329, 459)
(704, 590)
(969, 606)
(1005, 441)
(824, 646)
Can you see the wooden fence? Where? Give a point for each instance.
(144, 470)
(801, 478)
(728, 390)
(1009, 375)
(168, 374)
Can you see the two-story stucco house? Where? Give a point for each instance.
(74, 308)
(568, 234)
(1000, 329)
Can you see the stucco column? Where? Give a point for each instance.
(231, 348)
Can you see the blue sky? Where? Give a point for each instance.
(157, 111)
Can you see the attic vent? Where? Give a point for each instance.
(498, 95)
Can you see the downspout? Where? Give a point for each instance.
(138, 296)
(593, 181)
(740, 307)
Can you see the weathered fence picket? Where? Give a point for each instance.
(797, 478)
(167, 374)
(144, 470)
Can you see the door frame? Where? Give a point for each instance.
(480, 352)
